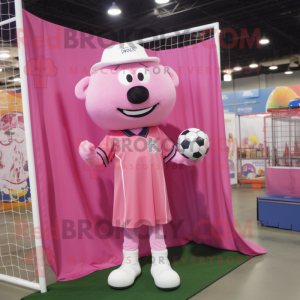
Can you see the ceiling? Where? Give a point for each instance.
(278, 20)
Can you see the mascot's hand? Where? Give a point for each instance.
(180, 159)
(87, 150)
(89, 155)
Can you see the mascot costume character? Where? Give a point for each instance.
(130, 94)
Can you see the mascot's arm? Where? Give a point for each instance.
(91, 156)
(180, 159)
(101, 156)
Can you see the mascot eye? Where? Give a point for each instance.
(129, 77)
(143, 75)
(140, 76)
(125, 77)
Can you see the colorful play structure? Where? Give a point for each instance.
(280, 206)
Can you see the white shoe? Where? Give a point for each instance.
(164, 276)
(125, 276)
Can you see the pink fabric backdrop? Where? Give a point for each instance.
(283, 181)
(68, 191)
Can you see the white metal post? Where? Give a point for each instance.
(217, 40)
(7, 21)
(19, 281)
(28, 137)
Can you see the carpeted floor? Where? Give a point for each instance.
(198, 266)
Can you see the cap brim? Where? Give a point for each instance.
(101, 65)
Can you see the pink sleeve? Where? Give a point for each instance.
(106, 149)
(167, 146)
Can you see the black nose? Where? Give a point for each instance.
(137, 94)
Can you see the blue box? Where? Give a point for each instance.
(279, 211)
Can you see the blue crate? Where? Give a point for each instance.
(279, 211)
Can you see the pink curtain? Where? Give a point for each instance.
(71, 197)
(283, 181)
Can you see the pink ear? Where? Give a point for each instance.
(81, 88)
(173, 76)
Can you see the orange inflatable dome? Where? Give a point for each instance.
(280, 97)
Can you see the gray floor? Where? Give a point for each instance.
(274, 276)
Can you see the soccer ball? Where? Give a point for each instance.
(193, 143)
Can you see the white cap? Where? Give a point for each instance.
(122, 54)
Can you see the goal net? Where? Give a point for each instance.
(18, 262)
(183, 38)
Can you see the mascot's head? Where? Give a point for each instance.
(128, 89)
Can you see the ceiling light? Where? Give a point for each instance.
(17, 79)
(1, 70)
(4, 55)
(237, 68)
(264, 40)
(253, 65)
(273, 67)
(288, 71)
(162, 1)
(227, 77)
(227, 71)
(114, 10)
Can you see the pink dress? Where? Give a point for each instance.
(140, 193)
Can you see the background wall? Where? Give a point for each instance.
(260, 82)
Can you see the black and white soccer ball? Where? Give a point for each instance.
(193, 143)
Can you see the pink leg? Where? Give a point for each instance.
(157, 239)
(131, 239)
